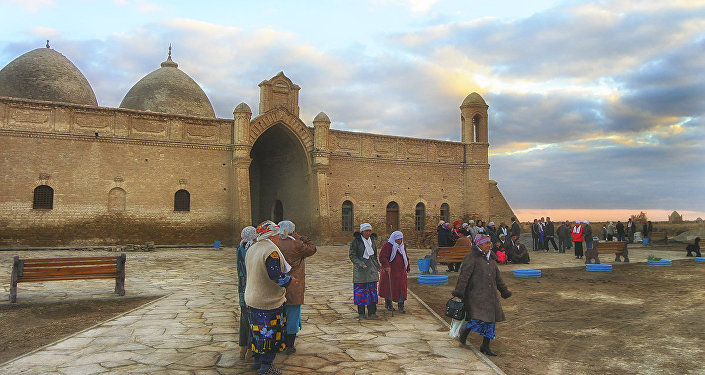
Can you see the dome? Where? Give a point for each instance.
(168, 90)
(243, 107)
(474, 99)
(44, 74)
(321, 117)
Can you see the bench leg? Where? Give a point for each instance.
(120, 280)
(13, 279)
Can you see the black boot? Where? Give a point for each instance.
(388, 304)
(361, 311)
(290, 340)
(372, 311)
(401, 307)
(464, 332)
(485, 347)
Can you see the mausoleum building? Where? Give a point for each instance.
(163, 168)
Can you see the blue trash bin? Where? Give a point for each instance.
(645, 241)
(216, 244)
(424, 264)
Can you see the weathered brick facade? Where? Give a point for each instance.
(115, 172)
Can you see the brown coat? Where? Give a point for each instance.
(477, 280)
(295, 252)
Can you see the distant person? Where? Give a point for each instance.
(604, 233)
(651, 230)
(247, 238)
(445, 238)
(464, 229)
(504, 229)
(517, 252)
(611, 231)
(500, 248)
(578, 239)
(363, 255)
(694, 248)
(645, 233)
(620, 231)
(296, 249)
(568, 236)
(395, 267)
(550, 233)
(481, 227)
(478, 281)
(535, 235)
(456, 230)
(630, 230)
(492, 232)
(472, 229)
(542, 235)
(515, 230)
(562, 233)
(587, 235)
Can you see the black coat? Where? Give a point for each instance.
(516, 230)
(445, 237)
(549, 230)
(620, 229)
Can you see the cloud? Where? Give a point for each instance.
(33, 5)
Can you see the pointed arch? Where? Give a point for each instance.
(279, 115)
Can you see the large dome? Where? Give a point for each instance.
(44, 74)
(168, 90)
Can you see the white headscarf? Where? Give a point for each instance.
(248, 235)
(397, 248)
(286, 227)
(369, 251)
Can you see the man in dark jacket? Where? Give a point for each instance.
(587, 235)
(535, 235)
(517, 252)
(563, 235)
(620, 231)
(549, 232)
(516, 230)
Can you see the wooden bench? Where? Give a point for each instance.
(55, 269)
(618, 248)
(658, 236)
(455, 253)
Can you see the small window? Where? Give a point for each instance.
(476, 128)
(347, 216)
(445, 212)
(182, 200)
(392, 217)
(420, 222)
(43, 198)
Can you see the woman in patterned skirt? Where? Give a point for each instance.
(363, 254)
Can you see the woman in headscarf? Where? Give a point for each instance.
(477, 281)
(296, 249)
(248, 237)
(265, 296)
(395, 266)
(363, 255)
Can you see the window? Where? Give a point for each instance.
(116, 199)
(476, 128)
(347, 216)
(43, 198)
(392, 217)
(445, 212)
(182, 200)
(420, 222)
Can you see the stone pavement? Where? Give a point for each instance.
(193, 328)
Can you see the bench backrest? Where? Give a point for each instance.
(657, 236)
(50, 269)
(455, 253)
(611, 247)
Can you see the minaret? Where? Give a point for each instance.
(473, 115)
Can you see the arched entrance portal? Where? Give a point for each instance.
(279, 179)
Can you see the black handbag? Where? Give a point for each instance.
(454, 309)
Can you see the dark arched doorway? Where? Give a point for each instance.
(279, 179)
(392, 217)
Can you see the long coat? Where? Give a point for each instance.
(478, 282)
(398, 274)
(369, 274)
(295, 252)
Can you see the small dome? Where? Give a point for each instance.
(44, 74)
(242, 107)
(474, 99)
(321, 117)
(168, 90)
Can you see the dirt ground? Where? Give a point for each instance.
(25, 327)
(637, 319)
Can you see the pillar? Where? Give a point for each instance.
(241, 210)
(321, 168)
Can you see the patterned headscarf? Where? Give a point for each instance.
(248, 235)
(266, 229)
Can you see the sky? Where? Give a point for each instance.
(596, 108)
